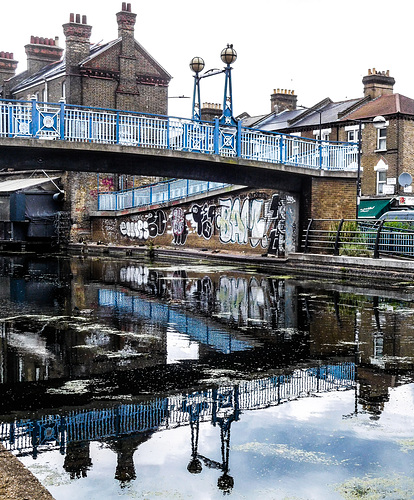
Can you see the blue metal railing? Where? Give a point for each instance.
(162, 192)
(360, 237)
(58, 430)
(60, 121)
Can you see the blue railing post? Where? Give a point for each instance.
(185, 136)
(150, 200)
(10, 117)
(168, 132)
(281, 146)
(62, 119)
(35, 117)
(320, 152)
(238, 138)
(216, 136)
(168, 191)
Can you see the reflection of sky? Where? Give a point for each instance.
(180, 347)
(303, 449)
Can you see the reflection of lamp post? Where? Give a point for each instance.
(379, 122)
(228, 56)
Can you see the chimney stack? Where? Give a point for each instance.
(378, 83)
(283, 99)
(8, 67)
(127, 89)
(210, 111)
(77, 33)
(41, 52)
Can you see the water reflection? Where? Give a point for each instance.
(115, 352)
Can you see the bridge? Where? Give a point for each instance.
(216, 405)
(44, 135)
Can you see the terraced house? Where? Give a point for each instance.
(119, 74)
(387, 152)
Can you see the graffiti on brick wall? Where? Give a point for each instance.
(203, 218)
(179, 226)
(256, 221)
(150, 225)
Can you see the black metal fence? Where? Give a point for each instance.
(359, 237)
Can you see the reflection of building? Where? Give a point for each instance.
(77, 459)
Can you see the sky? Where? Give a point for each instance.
(317, 48)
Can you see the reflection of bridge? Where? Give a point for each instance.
(160, 414)
(97, 138)
(198, 329)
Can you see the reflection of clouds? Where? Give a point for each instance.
(286, 452)
(29, 343)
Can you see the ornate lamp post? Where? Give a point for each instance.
(228, 56)
(197, 65)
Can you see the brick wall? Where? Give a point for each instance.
(248, 221)
(333, 198)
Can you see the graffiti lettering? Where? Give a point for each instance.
(204, 217)
(179, 226)
(151, 225)
(233, 222)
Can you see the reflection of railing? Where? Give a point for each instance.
(60, 121)
(162, 192)
(359, 237)
(197, 329)
(87, 425)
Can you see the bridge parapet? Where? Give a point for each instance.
(64, 122)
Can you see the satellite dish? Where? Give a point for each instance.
(405, 179)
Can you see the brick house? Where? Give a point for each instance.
(119, 74)
(386, 152)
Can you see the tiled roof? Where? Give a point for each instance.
(384, 105)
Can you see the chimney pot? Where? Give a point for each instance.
(77, 18)
(123, 6)
(84, 20)
(72, 17)
(128, 7)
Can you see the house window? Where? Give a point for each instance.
(382, 139)
(324, 133)
(381, 181)
(353, 135)
(381, 171)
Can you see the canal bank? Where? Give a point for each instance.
(391, 270)
(17, 482)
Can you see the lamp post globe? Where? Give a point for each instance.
(197, 64)
(228, 55)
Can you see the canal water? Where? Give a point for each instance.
(155, 380)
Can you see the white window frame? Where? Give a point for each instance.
(382, 139)
(380, 168)
(353, 130)
(324, 132)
